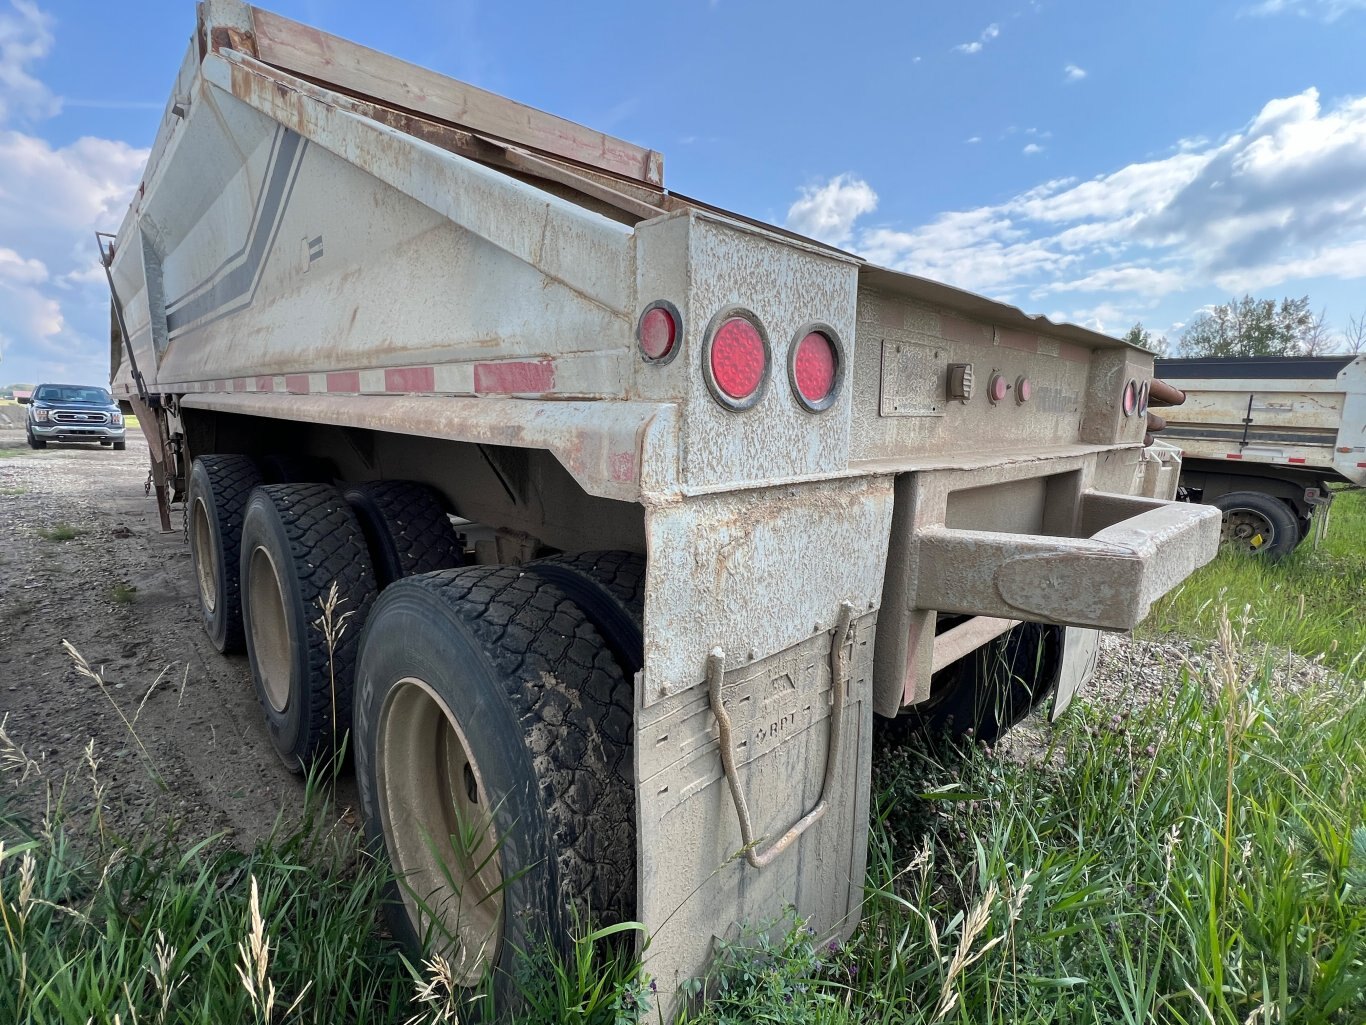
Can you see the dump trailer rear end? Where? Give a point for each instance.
(638, 510)
(1264, 437)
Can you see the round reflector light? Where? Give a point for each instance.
(997, 388)
(658, 332)
(1130, 398)
(1143, 398)
(738, 362)
(1024, 390)
(814, 369)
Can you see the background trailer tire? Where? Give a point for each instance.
(406, 526)
(489, 709)
(1258, 524)
(218, 492)
(297, 539)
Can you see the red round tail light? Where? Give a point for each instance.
(1130, 400)
(736, 362)
(657, 332)
(1143, 398)
(815, 368)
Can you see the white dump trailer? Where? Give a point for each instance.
(1263, 437)
(637, 511)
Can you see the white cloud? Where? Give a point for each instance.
(974, 139)
(975, 46)
(1072, 73)
(1282, 199)
(54, 305)
(1325, 10)
(25, 38)
(828, 212)
(16, 269)
(1031, 148)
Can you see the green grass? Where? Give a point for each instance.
(13, 492)
(1311, 602)
(123, 594)
(58, 532)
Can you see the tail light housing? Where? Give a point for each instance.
(1143, 399)
(1129, 401)
(658, 332)
(815, 367)
(736, 358)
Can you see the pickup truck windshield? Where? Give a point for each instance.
(65, 393)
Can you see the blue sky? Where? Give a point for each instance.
(1097, 162)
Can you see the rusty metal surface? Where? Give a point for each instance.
(359, 69)
(608, 449)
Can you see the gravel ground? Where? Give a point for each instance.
(121, 593)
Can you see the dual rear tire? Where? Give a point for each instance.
(492, 720)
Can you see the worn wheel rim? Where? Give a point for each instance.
(270, 641)
(1248, 530)
(438, 827)
(205, 564)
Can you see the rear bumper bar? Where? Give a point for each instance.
(1137, 550)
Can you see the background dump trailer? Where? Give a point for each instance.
(636, 511)
(1263, 437)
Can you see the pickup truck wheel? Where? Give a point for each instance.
(105, 442)
(36, 442)
(297, 541)
(988, 691)
(120, 446)
(218, 492)
(610, 589)
(406, 526)
(494, 767)
(1258, 524)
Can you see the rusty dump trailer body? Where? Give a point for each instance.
(1284, 427)
(335, 254)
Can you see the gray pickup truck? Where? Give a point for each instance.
(73, 412)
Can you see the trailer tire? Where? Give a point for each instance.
(406, 526)
(991, 689)
(485, 695)
(217, 498)
(610, 589)
(1249, 516)
(297, 540)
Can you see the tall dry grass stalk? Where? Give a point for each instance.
(254, 970)
(332, 624)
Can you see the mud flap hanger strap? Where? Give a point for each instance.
(839, 676)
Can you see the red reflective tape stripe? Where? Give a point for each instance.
(1234, 455)
(347, 380)
(514, 378)
(296, 383)
(239, 384)
(1361, 464)
(1296, 459)
(265, 384)
(404, 379)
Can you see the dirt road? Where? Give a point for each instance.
(121, 593)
